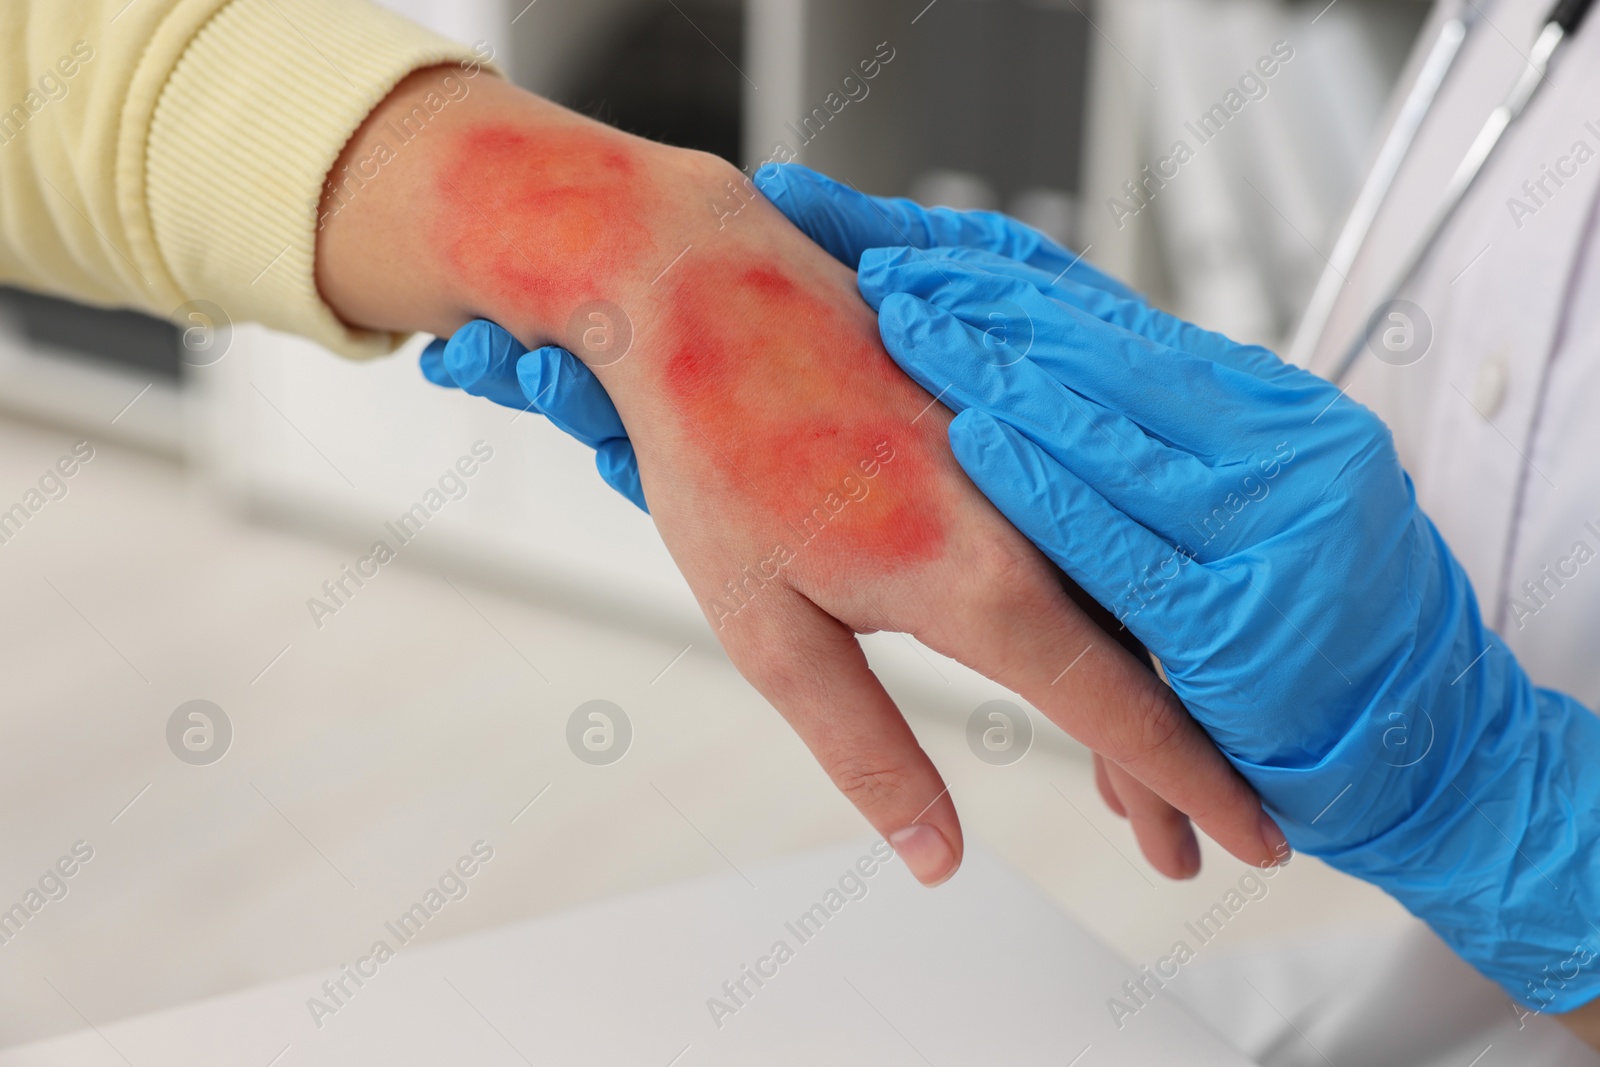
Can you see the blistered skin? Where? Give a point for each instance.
(805, 414)
(541, 222)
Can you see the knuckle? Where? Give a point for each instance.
(718, 174)
(1152, 728)
(1011, 574)
(1001, 561)
(869, 783)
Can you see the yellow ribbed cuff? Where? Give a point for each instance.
(247, 128)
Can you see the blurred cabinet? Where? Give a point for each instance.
(981, 104)
(108, 375)
(1051, 109)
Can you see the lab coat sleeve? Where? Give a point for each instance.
(157, 152)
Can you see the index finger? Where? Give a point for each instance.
(846, 222)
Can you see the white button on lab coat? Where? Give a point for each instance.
(1497, 423)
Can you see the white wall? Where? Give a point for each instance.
(468, 21)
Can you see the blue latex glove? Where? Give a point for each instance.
(487, 361)
(846, 222)
(1254, 528)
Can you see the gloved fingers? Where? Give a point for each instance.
(1150, 586)
(488, 361)
(557, 384)
(1165, 835)
(481, 358)
(1160, 388)
(1175, 333)
(847, 222)
(619, 468)
(1158, 593)
(1133, 315)
(432, 365)
(1159, 486)
(564, 390)
(812, 669)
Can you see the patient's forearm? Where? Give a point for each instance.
(504, 204)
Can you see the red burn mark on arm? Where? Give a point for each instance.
(541, 220)
(806, 413)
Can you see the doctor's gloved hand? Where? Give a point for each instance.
(485, 360)
(847, 222)
(1255, 529)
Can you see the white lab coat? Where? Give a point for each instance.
(1498, 426)
(1496, 422)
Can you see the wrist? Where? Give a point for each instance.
(372, 263)
(460, 199)
(1499, 854)
(557, 228)
(463, 197)
(1459, 791)
(231, 124)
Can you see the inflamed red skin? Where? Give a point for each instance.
(827, 436)
(542, 222)
(777, 374)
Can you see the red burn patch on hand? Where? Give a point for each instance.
(805, 412)
(541, 220)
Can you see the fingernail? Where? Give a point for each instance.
(925, 852)
(1276, 843)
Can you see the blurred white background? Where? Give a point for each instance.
(426, 714)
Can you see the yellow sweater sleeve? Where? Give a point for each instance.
(156, 152)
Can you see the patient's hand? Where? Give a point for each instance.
(803, 484)
(1585, 1023)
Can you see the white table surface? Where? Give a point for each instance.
(986, 971)
(376, 750)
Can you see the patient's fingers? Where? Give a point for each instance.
(1164, 834)
(812, 669)
(1102, 782)
(1016, 626)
